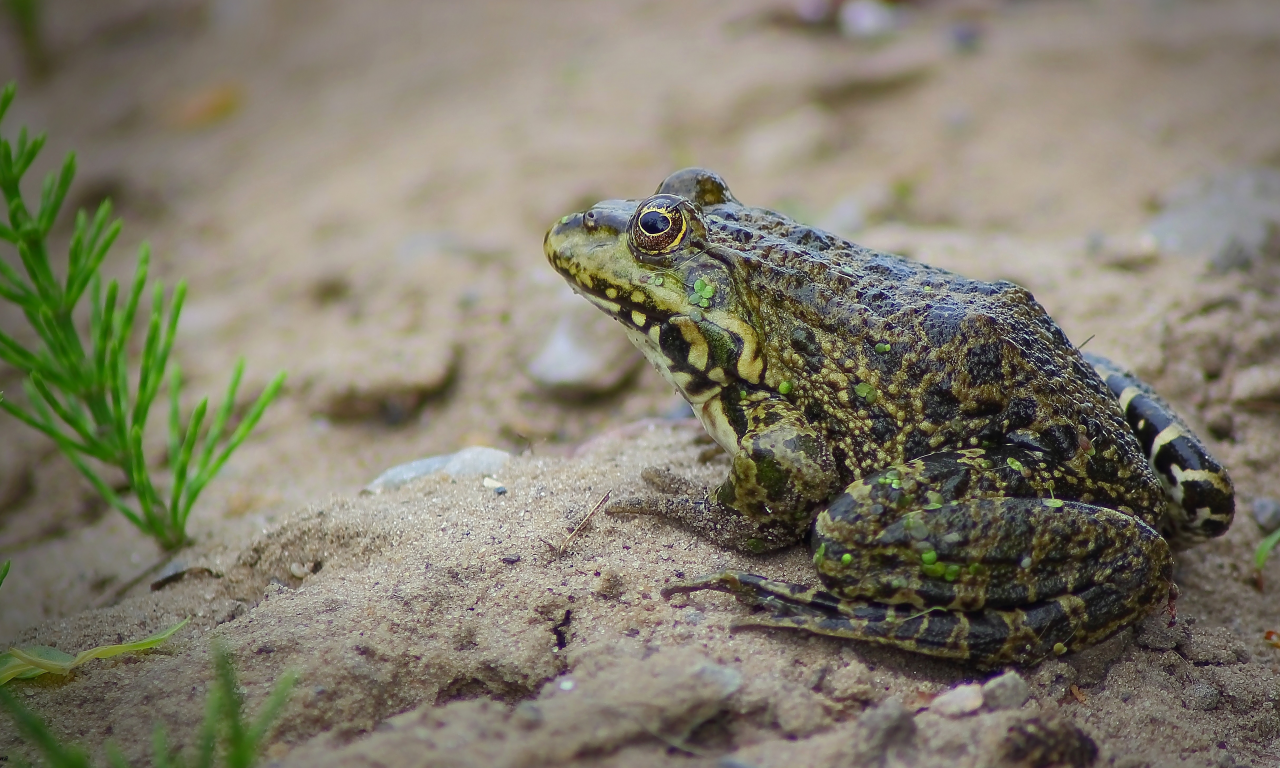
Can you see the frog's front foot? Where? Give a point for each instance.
(681, 501)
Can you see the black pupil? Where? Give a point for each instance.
(654, 222)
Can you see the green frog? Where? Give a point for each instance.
(972, 486)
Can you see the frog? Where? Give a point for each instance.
(971, 485)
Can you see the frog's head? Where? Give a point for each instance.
(645, 261)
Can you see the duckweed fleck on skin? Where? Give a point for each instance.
(820, 554)
(785, 387)
(846, 558)
(930, 557)
(1059, 649)
(1051, 502)
(882, 347)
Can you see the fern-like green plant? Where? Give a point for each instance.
(78, 385)
(226, 732)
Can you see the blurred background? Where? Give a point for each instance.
(357, 194)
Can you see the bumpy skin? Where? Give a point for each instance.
(976, 488)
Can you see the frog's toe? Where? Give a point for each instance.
(709, 519)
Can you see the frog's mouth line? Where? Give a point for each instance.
(635, 316)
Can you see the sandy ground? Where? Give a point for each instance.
(357, 194)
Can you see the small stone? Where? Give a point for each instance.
(1266, 511)
(1201, 696)
(886, 731)
(862, 19)
(527, 715)
(1258, 383)
(1230, 217)
(959, 701)
(583, 355)
(1008, 691)
(1155, 633)
(477, 460)
(298, 570)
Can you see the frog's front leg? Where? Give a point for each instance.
(911, 558)
(782, 470)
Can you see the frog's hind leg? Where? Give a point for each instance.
(1202, 496)
(986, 638)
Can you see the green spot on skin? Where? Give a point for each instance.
(882, 347)
(1059, 649)
(862, 390)
(934, 570)
(934, 505)
(846, 558)
(952, 573)
(928, 289)
(1014, 463)
(1091, 451)
(785, 387)
(699, 285)
(1055, 503)
(565, 219)
(929, 558)
(820, 554)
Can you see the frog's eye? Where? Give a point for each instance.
(659, 225)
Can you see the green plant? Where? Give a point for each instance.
(224, 723)
(25, 15)
(78, 388)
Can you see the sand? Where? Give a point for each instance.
(357, 193)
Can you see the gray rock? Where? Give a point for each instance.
(1155, 633)
(1201, 696)
(886, 731)
(1008, 691)
(1266, 511)
(1232, 217)
(959, 701)
(584, 354)
(468, 462)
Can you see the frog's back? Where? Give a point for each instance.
(898, 359)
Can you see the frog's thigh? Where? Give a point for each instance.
(1202, 495)
(972, 554)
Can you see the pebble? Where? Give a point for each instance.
(864, 19)
(468, 462)
(1201, 696)
(1256, 383)
(1228, 217)
(1266, 511)
(959, 701)
(1008, 691)
(585, 353)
